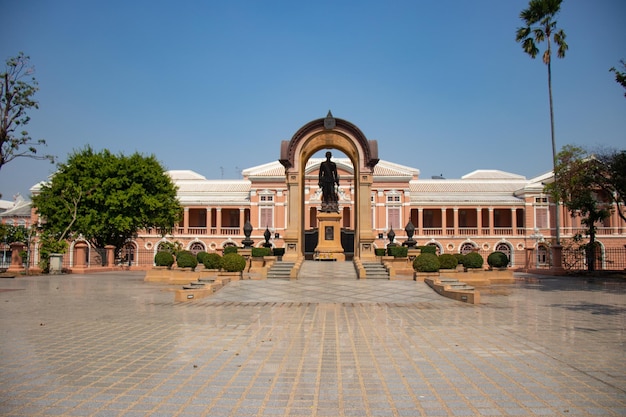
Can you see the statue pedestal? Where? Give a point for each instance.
(329, 240)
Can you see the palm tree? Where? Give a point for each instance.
(539, 26)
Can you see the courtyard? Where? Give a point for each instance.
(111, 344)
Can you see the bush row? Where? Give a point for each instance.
(430, 262)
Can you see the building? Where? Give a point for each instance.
(485, 210)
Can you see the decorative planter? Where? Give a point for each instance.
(421, 276)
(233, 276)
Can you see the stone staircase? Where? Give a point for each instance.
(280, 270)
(375, 270)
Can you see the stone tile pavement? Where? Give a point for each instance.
(112, 345)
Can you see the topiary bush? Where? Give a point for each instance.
(201, 256)
(260, 252)
(186, 259)
(379, 251)
(498, 259)
(447, 261)
(164, 258)
(212, 261)
(428, 249)
(398, 251)
(233, 262)
(278, 252)
(426, 262)
(230, 249)
(473, 260)
(459, 258)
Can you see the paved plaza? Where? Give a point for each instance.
(111, 344)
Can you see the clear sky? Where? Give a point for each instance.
(214, 86)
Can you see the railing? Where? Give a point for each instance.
(502, 231)
(230, 231)
(468, 231)
(609, 259)
(432, 231)
(600, 231)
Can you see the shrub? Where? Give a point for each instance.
(212, 261)
(473, 260)
(201, 256)
(379, 251)
(498, 260)
(447, 261)
(164, 258)
(233, 262)
(278, 251)
(186, 259)
(259, 252)
(398, 251)
(426, 262)
(428, 249)
(230, 249)
(459, 258)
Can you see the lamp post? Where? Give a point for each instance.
(537, 237)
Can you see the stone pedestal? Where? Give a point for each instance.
(329, 240)
(17, 263)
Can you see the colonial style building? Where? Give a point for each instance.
(485, 210)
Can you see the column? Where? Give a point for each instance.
(443, 222)
(185, 220)
(218, 219)
(420, 221)
(514, 221)
(479, 221)
(208, 221)
(491, 231)
(242, 220)
(456, 221)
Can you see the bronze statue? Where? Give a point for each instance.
(327, 179)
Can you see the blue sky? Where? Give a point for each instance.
(216, 86)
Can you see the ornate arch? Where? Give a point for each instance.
(329, 133)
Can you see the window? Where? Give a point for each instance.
(466, 248)
(540, 200)
(394, 198)
(504, 248)
(266, 198)
(266, 217)
(541, 217)
(196, 247)
(393, 218)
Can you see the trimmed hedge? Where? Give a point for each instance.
(201, 256)
(447, 261)
(233, 262)
(164, 258)
(473, 260)
(230, 249)
(428, 249)
(398, 251)
(426, 262)
(278, 251)
(459, 258)
(260, 252)
(212, 261)
(186, 259)
(498, 259)
(379, 251)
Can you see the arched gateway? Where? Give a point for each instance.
(329, 133)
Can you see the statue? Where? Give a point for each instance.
(327, 179)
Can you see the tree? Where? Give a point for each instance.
(620, 76)
(107, 198)
(539, 26)
(613, 179)
(578, 181)
(17, 89)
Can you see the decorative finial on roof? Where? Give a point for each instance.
(329, 121)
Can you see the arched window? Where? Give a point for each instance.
(196, 247)
(466, 248)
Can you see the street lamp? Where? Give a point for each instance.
(537, 237)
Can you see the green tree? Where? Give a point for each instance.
(17, 89)
(613, 179)
(540, 26)
(10, 233)
(107, 198)
(578, 181)
(620, 76)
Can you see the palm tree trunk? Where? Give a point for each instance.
(557, 217)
